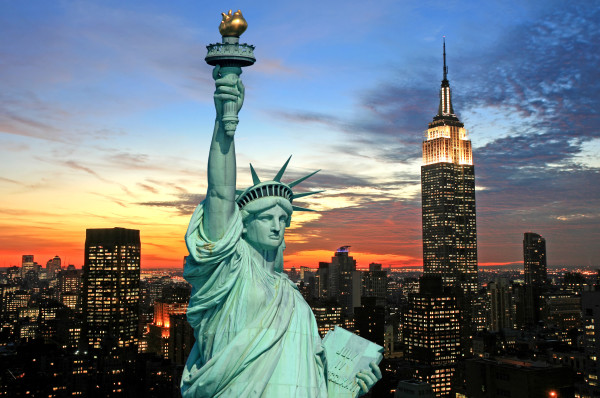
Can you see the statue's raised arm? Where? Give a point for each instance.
(220, 194)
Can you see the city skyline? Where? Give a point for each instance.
(103, 103)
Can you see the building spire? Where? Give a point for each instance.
(445, 67)
(445, 108)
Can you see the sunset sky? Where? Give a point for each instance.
(106, 114)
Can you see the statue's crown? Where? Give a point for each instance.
(275, 187)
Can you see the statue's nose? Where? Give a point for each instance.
(275, 226)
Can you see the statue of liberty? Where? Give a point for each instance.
(255, 334)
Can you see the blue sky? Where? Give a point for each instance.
(106, 115)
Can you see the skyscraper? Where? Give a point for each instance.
(53, 267)
(374, 284)
(448, 208)
(591, 341)
(448, 198)
(501, 305)
(340, 281)
(534, 259)
(431, 334)
(111, 287)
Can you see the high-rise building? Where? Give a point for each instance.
(448, 198)
(369, 320)
(591, 341)
(111, 287)
(340, 281)
(53, 266)
(374, 283)
(328, 315)
(28, 265)
(431, 334)
(501, 314)
(69, 288)
(159, 330)
(561, 313)
(534, 259)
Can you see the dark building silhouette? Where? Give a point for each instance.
(500, 296)
(181, 339)
(534, 259)
(111, 288)
(369, 320)
(505, 377)
(340, 281)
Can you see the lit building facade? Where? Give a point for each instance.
(561, 313)
(374, 283)
(431, 334)
(448, 198)
(111, 287)
(69, 288)
(159, 330)
(591, 342)
(53, 267)
(328, 314)
(501, 314)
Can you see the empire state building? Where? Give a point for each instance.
(448, 199)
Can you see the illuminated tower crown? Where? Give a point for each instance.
(262, 189)
(447, 140)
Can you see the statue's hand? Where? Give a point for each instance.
(367, 378)
(228, 88)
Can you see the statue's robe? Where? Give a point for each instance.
(255, 334)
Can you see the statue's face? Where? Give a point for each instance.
(265, 230)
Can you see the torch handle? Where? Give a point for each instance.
(230, 108)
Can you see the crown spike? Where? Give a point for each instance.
(303, 194)
(282, 170)
(298, 181)
(255, 179)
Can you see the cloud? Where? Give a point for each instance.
(60, 75)
(11, 181)
(75, 165)
(148, 188)
(540, 82)
(184, 205)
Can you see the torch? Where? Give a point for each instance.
(228, 57)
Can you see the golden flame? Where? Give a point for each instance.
(233, 24)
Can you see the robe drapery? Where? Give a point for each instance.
(255, 334)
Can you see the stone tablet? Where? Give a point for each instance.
(347, 354)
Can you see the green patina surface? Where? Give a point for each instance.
(255, 333)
